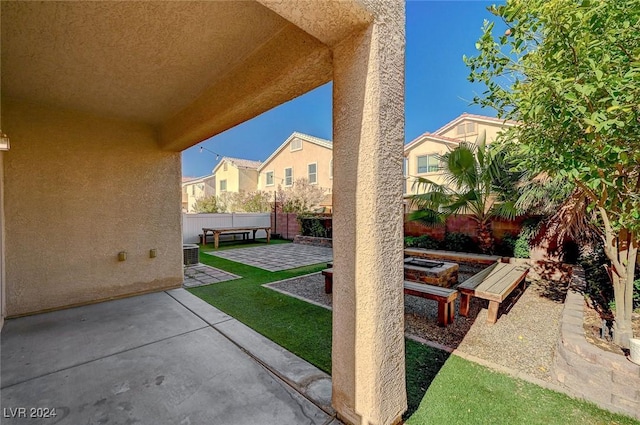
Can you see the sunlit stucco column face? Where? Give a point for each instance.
(368, 308)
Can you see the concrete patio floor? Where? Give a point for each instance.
(161, 358)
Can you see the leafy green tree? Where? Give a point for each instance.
(208, 204)
(476, 182)
(255, 201)
(569, 72)
(301, 197)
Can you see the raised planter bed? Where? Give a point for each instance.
(313, 241)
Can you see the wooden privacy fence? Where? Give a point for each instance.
(462, 224)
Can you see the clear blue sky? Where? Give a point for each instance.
(437, 90)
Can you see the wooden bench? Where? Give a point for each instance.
(444, 296)
(328, 280)
(203, 238)
(494, 284)
(216, 232)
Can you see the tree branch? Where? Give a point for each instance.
(611, 245)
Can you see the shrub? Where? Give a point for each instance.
(530, 229)
(301, 197)
(410, 242)
(424, 241)
(506, 246)
(427, 242)
(208, 204)
(459, 242)
(521, 248)
(314, 226)
(598, 284)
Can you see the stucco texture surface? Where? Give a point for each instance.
(78, 190)
(368, 321)
(299, 160)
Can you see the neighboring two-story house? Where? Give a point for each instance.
(194, 189)
(420, 154)
(236, 175)
(300, 156)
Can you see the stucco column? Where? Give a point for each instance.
(368, 301)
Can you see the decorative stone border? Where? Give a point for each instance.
(606, 379)
(313, 241)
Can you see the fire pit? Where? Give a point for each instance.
(423, 263)
(432, 272)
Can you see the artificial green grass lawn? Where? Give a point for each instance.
(467, 393)
(300, 327)
(440, 388)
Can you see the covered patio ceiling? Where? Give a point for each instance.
(190, 69)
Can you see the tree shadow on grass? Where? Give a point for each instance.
(422, 365)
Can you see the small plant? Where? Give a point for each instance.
(598, 284)
(507, 245)
(459, 242)
(427, 242)
(311, 225)
(424, 241)
(410, 242)
(522, 246)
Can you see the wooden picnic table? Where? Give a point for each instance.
(217, 231)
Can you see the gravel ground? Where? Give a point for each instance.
(523, 338)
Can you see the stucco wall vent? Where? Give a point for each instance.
(190, 254)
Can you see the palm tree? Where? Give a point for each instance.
(477, 181)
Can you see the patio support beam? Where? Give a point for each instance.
(368, 302)
(288, 65)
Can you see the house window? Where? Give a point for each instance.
(312, 173)
(223, 185)
(224, 167)
(427, 164)
(465, 128)
(288, 176)
(331, 169)
(193, 190)
(296, 144)
(269, 178)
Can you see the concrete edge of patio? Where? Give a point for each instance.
(305, 378)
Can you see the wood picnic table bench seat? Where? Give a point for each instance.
(217, 231)
(444, 296)
(494, 284)
(245, 235)
(328, 280)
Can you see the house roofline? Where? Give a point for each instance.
(305, 137)
(424, 137)
(233, 162)
(198, 179)
(474, 117)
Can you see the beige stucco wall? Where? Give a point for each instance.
(368, 299)
(425, 148)
(230, 175)
(78, 190)
(299, 161)
(247, 179)
(192, 192)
